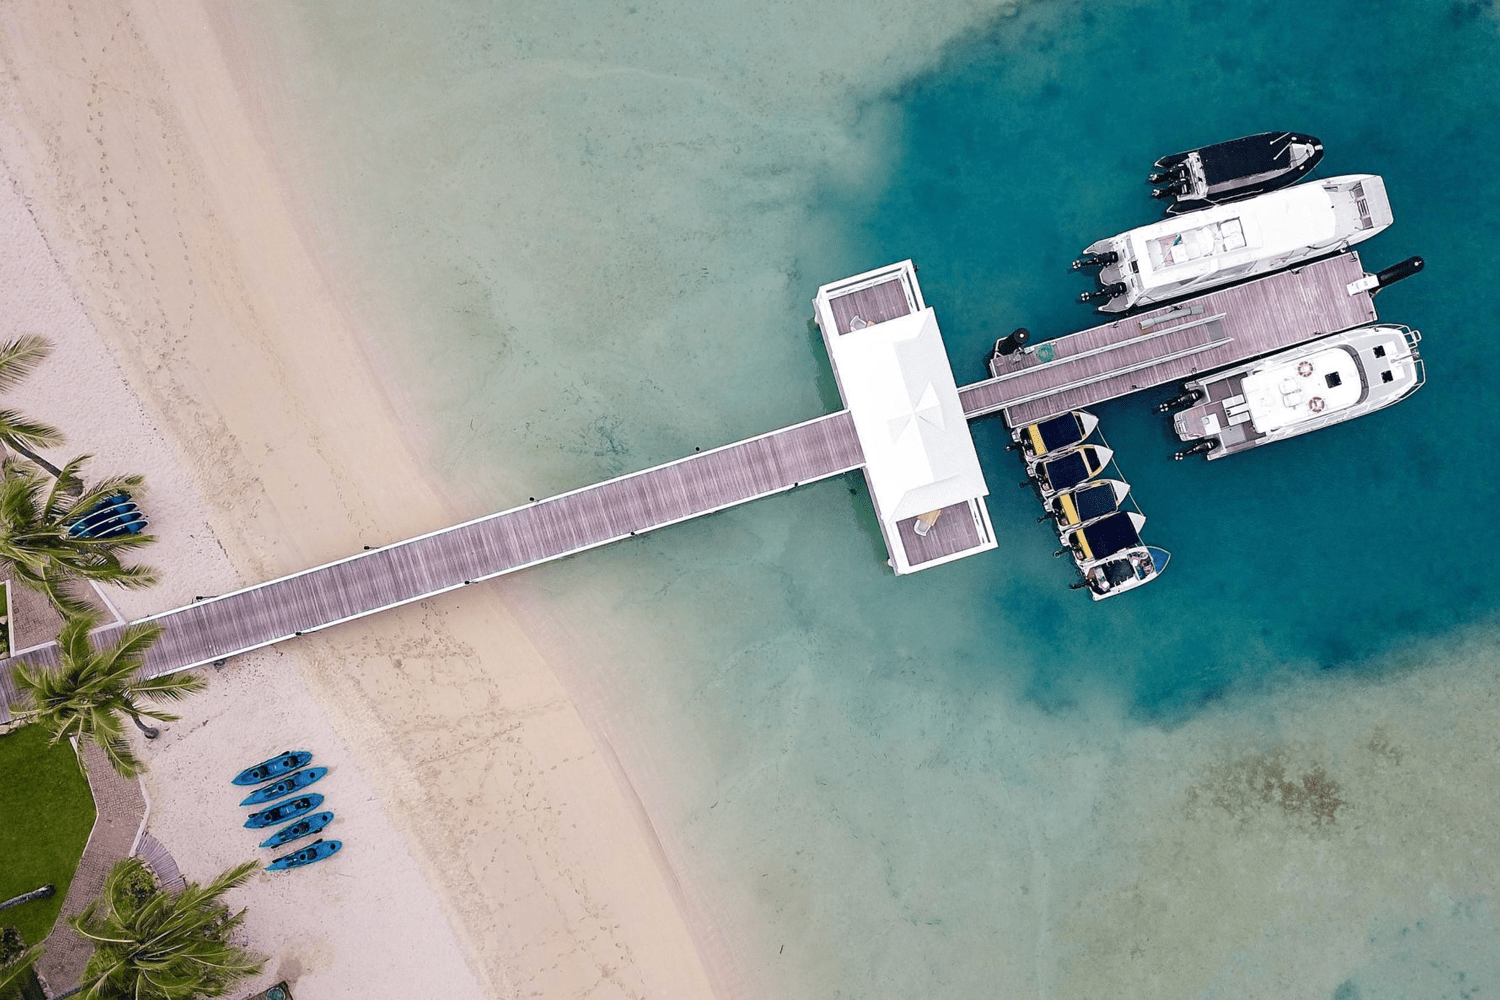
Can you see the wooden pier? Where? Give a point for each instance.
(491, 546)
(1174, 343)
(1165, 345)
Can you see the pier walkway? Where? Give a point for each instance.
(1174, 343)
(1114, 359)
(491, 546)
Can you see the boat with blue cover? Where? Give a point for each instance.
(283, 763)
(284, 811)
(1111, 557)
(295, 781)
(296, 831)
(1089, 502)
(316, 851)
(1069, 470)
(1055, 435)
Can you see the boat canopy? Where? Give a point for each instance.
(1096, 501)
(1115, 533)
(1066, 472)
(1058, 432)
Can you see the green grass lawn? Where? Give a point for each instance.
(46, 813)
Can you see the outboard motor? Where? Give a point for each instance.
(1104, 294)
(1096, 260)
(1397, 271)
(1012, 343)
(1156, 177)
(1165, 192)
(1186, 397)
(1202, 447)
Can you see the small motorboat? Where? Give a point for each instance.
(1124, 571)
(1057, 434)
(284, 811)
(296, 831)
(1114, 533)
(316, 851)
(1111, 557)
(1066, 471)
(1083, 504)
(1229, 171)
(283, 763)
(293, 782)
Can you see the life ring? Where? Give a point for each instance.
(1316, 404)
(1305, 369)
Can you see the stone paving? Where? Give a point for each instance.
(121, 808)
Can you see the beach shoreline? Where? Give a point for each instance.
(131, 150)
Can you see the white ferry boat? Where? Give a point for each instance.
(1193, 253)
(1319, 384)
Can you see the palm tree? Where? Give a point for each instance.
(36, 542)
(15, 960)
(90, 690)
(161, 946)
(18, 359)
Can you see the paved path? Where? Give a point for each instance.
(121, 808)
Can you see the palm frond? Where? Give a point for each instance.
(16, 429)
(20, 357)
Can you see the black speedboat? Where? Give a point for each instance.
(1239, 168)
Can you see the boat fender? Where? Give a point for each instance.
(1014, 342)
(1316, 404)
(1398, 271)
(1305, 369)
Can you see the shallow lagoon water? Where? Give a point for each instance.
(589, 237)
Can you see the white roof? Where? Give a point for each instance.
(1295, 391)
(899, 388)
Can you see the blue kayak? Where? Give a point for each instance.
(293, 782)
(298, 830)
(316, 851)
(283, 763)
(286, 810)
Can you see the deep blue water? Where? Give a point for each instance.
(1033, 140)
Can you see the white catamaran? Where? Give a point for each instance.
(1325, 382)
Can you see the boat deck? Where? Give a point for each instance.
(500, 543)
(1173, 343)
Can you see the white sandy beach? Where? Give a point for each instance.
(491, 848)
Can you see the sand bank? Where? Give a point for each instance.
(466, 781)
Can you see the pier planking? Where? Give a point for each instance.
(1121, 357)
(1103, 362)
(501, 543)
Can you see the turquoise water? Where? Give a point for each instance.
(589, 236)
